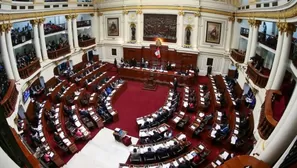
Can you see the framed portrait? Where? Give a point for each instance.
(113, 26)
(213, 32)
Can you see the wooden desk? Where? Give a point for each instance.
(27, 71)
(160, 77)
(86, 43)
(244, 160)
(58, 53)
(95, 117)
(237, 56)
(92, 85)
(56, 89)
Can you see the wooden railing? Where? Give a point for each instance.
(27, 71)
(267, 123)
(268, 40)
(86, 43)
(58, 53)
(237, 56)
(10, 98)
(258, 78)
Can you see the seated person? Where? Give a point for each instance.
(135, 155)
(149, 153)
(224, 129)
(84, 113)
(156, 136)
(46, 157)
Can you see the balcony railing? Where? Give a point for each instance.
(83, 23)
(27, 71)
(238, 56)
(268, 40)
(86, 43)
(244, 32)
(58, 53)
(258, 78)
(267, 123)
(10, 99)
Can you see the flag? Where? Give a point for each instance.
(157, 53)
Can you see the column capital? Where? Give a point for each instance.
(139, 12)
(181, 13)
(231, 19)
(41, 21)
(68, 17)
(74, 16)
(34, 22)
(125, 12)
(197, 14)
(287, 28)
(100, 13)
(92, 14)
(2, 27)
(239, 20)
(254, 22)
(8, 26)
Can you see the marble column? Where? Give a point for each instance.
(283, 138)
(248, 48)
(4, 53)
(195, 31)
(94, 25)
(229, 34)
(74, 27)
(36, 39)
(277, 56)
(42, 39)
(101, 27)
(69, 31)
(180, 30)
(126, 27)
(236, 34)
(282, 65)
(12, 59)
(138, 32)
(254, 39)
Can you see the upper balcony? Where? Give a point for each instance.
(264, 5)
(257, 76)
(29, 5)
(238, 56)
(267, 123)
(86, 41)
(293, 54)
(83, 23)
(267, 40)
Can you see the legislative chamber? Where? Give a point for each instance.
(148, 84)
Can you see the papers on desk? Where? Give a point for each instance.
(51, 154)
(224, 155)
(181, 159)
(108, 98)
(201, 147)
(67, 142)
(92, 98)
(156, 147)
(193, 127)
(201, 115)
(202, 99)
(42, 139)
(77, 124)
(62, 136)
(233, 139)
(236, 131)
(186, 104)
(175, 163)
(201, 94)
(218, 162)
(59, 129)
(237, 119)
(154, 115)
(140, 121)
(181, 137)
(213, 133)
(182, 113)
(176, 119)
(56, 115)
(92, 113)
(220, 114)
(113, 113)
(39, 115)
(75, 117)
(57, 122)
(41, 134)
(73, 107)
(217, 127)
(162, 129)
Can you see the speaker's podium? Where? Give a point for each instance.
(150, 84)
(121, 136)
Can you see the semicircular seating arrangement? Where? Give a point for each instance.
(188, 129)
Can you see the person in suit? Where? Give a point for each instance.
(175, 84)
(135, 155)
(168, 66)
(149, 153)
(156, 135)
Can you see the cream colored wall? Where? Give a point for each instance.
(6, 161)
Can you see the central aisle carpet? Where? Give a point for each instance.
(102, 152)
(134, 103)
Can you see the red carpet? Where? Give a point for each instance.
(134, 103)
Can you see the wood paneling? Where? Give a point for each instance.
(182, 60)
